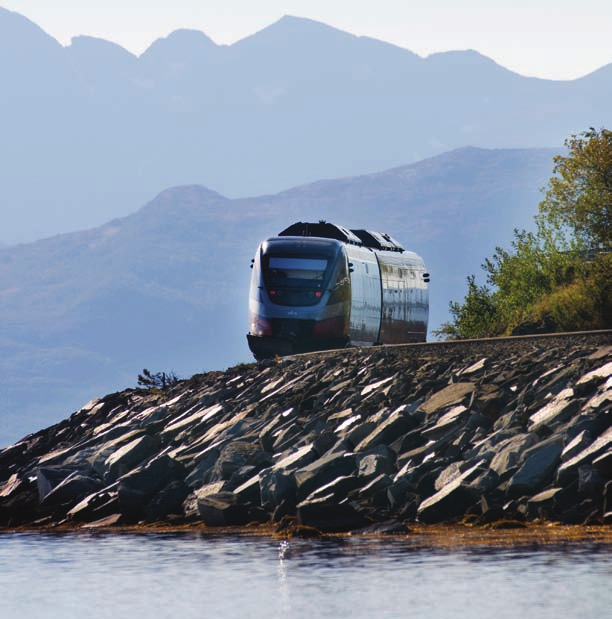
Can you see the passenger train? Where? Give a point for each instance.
(318, 286)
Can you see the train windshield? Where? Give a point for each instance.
(295, 271)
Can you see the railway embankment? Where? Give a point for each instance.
(497, 431)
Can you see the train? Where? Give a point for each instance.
(320, 286)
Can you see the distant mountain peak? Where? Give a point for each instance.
(464, 58)
(181, 44)
(19, 32)
(294, 29)
(92, 45)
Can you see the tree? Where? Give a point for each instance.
(158, 381)
(548, 275)
(579, 195)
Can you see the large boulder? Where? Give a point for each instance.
(137, 488)
(223, 509)
(452, 501)
(329, 516)
(323, 471)
(537, 470)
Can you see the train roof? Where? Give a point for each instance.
(327, 230)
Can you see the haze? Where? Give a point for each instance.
(554, 39)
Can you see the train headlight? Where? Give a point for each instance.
(261, 326)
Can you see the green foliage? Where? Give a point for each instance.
(579, 195)
(586, 303)
(159, 381)
(474, 318)
(547, 274)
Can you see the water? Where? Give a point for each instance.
(118, 576)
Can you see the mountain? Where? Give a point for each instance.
(89, 130)
(166, 288)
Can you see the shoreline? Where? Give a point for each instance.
(417, 536)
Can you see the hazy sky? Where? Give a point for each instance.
(557, 39)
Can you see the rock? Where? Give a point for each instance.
(447, 422)
(382, 482)
(372, 465)
(201, 472)
(71, 490)
(543, 505)
(236, 455)
(559, 409)
(578, 444)
(277, 485)
(338, 489)
(448, 474)
(223, 509)
(329, 517)
(506, 462)
(568, 471)
(336, 427)
(323, 471)
(451, 501)
(48, 478)
(537, 470)
(138, 487)
(248, 491)
(129, 456)
(457, 393)
(166, 502)
(108, 521)
(603, 464)
(590, 483)
(96, 506)
(400, 421)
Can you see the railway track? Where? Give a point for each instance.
(483, 345)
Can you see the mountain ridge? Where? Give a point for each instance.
(246, 122)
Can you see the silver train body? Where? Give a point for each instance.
(318, 286)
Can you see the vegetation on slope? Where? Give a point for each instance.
(560, 276)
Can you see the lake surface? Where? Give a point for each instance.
(91, 576)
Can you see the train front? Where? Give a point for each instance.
(299, 298)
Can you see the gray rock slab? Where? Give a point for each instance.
(129, 456)
(457, 393)
(338, 489)
(399, 422)
(323, 471)
(451, 501)
(559, 409)
(329, 517)
(297, 459)
(139, 486)
(510, 453)
(603, 464)
(223, 509)
(236, 455)
(575, 446)
(456, 416)
(595, 377)
(249, 491)
(450, 473)
(381, 482)
(537, 470)
(96, 506)
(72, 490)
(169, 501)
(568, 471)
(372, 465)
(277, 485)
